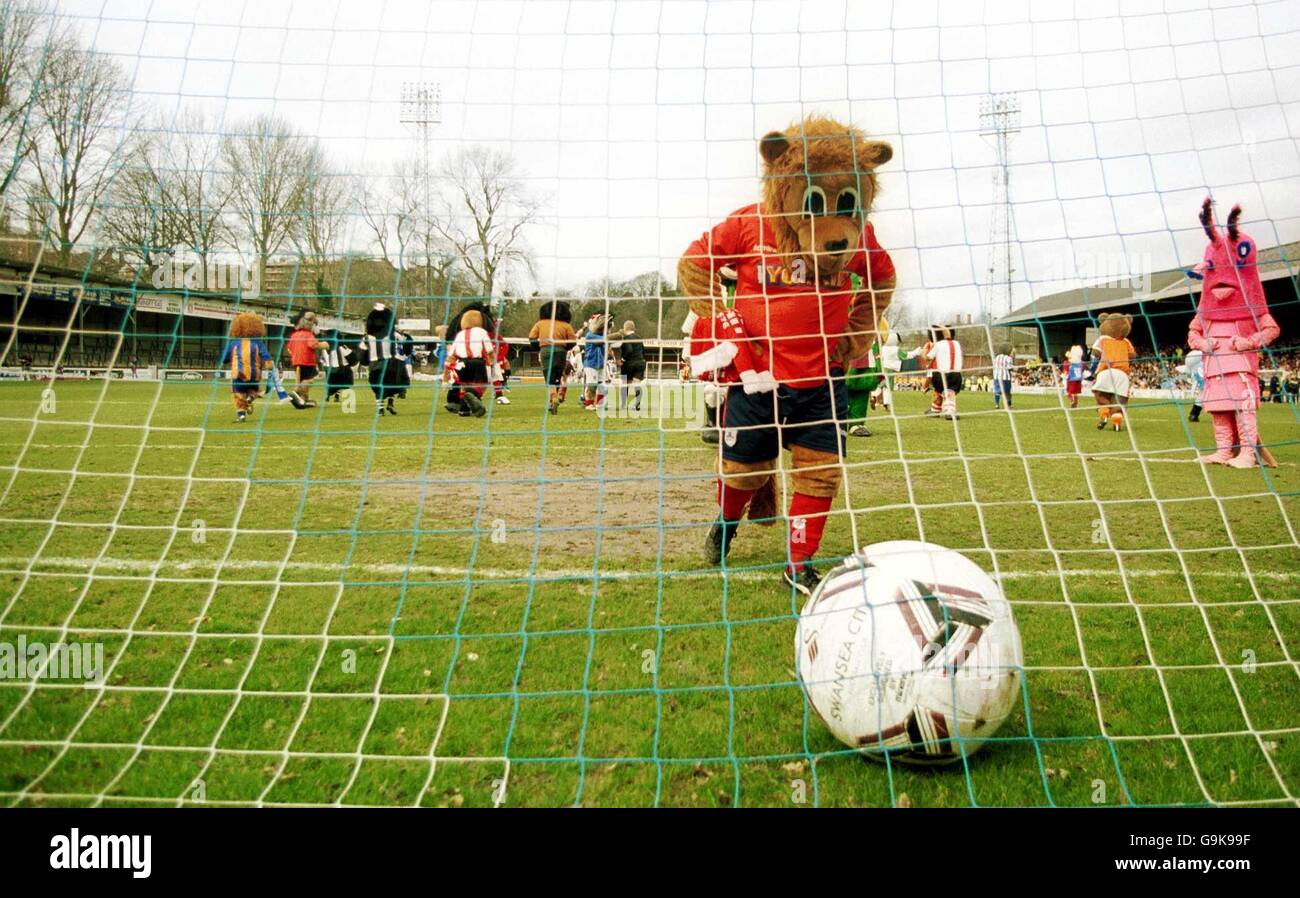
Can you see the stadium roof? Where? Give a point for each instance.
(53, 282)
(1274, 262)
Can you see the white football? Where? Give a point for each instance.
(909, 649)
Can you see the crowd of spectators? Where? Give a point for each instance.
(1279, 373)
(1036, 375)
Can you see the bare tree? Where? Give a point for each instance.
(322, 222)
(82, 101)
(28, 31)
(396, 210)
(648, 284)
(171, 193)
(136, 218)
(906, 317)
(393, 209)
(266, 163)
(485, 210)
(195, 189)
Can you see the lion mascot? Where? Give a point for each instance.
(798, 319)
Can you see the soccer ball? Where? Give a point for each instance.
(910, 650)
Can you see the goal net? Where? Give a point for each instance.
(356, 450)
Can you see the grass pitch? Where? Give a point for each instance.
(319, 608)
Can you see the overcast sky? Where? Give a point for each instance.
(639, 120)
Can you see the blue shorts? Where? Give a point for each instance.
(1002, 388)
(756, 427)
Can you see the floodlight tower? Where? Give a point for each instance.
(999, 121)
(420, 109)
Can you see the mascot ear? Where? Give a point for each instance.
(773, 146)
(874, 153)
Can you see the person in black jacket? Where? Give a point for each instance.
(632, 355)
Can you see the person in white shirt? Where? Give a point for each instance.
(1193, 366)
(1003, 362)
(945, 358)
(891, 364)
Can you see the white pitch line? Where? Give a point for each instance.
(521, 444)
(131, 565)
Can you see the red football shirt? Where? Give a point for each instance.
(796, 321)
(302, 347)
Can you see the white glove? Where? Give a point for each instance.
(757, 381)
(689, 324)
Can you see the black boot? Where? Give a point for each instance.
(710, 432)
(473, 404)
(1195, 414)
(718, 542)
(802, 579)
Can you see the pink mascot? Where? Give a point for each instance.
(1231, 325)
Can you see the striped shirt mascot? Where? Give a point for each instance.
(246, 358)
(471, 352)
(381, 355)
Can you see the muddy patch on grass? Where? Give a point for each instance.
(623, 509)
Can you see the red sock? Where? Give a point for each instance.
(807, 522)
(733, 501)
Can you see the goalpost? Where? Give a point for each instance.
(404, 603)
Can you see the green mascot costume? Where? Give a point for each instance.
(865, 376)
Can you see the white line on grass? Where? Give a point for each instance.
(10, 565)
(1152, 455)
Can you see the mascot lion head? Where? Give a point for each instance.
(248, 324)
(819, 181)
